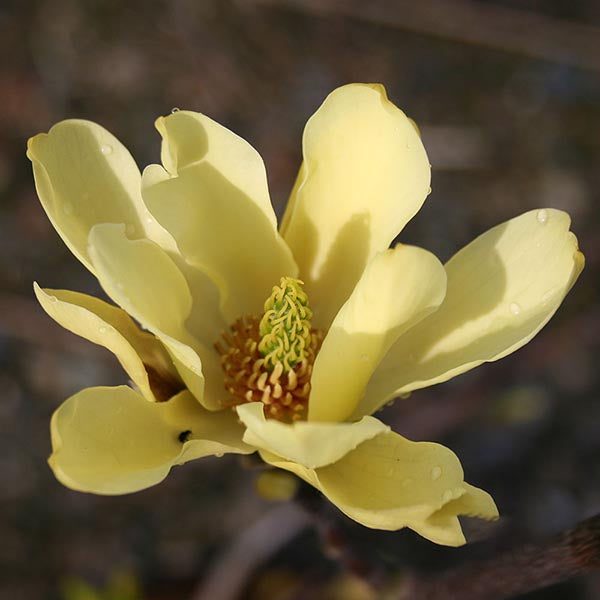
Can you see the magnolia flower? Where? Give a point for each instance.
(282, 341)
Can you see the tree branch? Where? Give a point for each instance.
(535, 566)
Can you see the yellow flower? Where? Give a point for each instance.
(191, 249)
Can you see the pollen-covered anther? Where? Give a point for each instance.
(283, 391)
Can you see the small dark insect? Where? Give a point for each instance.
(184, 435)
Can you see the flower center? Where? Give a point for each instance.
(270, 359)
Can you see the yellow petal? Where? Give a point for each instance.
(443, 526)
(398, 288)
(84, 176)
(215, 202)
(112, 328)
(389, 483)
(365, 174)
(141, 278)
(112, 441)
(502, 289)
(309, 444)
(210, 432)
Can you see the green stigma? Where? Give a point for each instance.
(285, 335)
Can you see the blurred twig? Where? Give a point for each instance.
(572, 553)
(518, 571)
(486, 24)
(231, 570)
(336, 544)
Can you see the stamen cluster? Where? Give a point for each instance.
(248, 378)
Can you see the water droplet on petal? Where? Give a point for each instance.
(514, 308)
(149, 220)
(542, 216)
(68, 208)
(174, 110)
(217, 454)
(436, 473)
(53, 299)
(447, 496)
(106, 149)
(102, 330)
(547, 295)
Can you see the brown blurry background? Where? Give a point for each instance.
(507, 95)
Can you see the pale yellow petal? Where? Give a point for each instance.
(389, 483)
(443, 526)
(112, 441)
(502, 289)
(398, 288)
(85, 176)
(309, 444)
(141, 278)
(365, 174)
(112, 328)
(215, 202)
(206, 432)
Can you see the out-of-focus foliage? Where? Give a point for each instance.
(120, 586)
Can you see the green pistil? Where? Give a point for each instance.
(285, 327)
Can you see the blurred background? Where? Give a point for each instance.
(507, 95)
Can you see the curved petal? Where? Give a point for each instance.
(365, 175)
(139, 353)
(389, 483)
(213, 198)
(141, 278)
(309, 444)
(398, 288)
(206, 432)
(443, 526)
(85, 176)
(502, 289)
(112, 441)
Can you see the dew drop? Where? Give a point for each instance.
(218, 454)
(514, 308)
(547, 296)
(174, 110)
(436, 473)
(53, 299)
(68, 208)
(542, 216)
(102, 330)
(447, 496)
(149, 220)
(106, 149)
